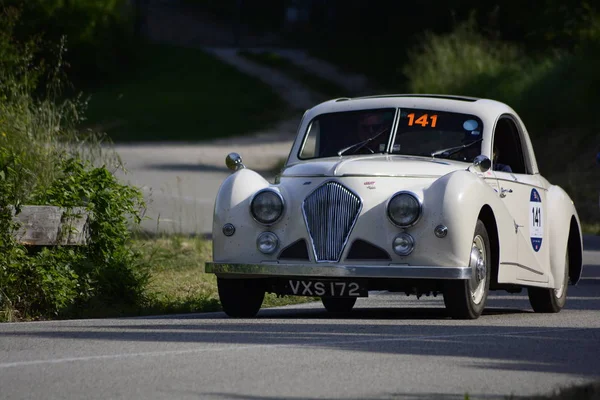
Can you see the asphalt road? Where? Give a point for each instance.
(180, 181)
(390, 347)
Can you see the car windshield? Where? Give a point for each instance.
(347, 133)
(419, 132)
(439, 134)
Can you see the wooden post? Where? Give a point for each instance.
(52, 226)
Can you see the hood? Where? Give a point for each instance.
(375, 165)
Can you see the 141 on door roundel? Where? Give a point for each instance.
(536, 226)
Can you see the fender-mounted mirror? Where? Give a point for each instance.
(234, 161)
(482, 163)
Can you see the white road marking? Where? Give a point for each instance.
(320, 343)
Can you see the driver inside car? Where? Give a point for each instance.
(498, 166)
(369, 126)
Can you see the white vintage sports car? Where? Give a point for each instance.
(422, 194)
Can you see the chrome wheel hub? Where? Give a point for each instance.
(479, 266)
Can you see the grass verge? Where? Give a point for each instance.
(590, 391)
(181, 94)
(313, 82)
(177, 281)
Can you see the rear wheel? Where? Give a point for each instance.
(466, 299)
(545, 300)
(338, 304)
(241, 298)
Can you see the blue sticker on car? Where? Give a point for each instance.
(470, 125)
(536, 227)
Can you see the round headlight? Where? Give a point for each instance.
(266, 207)
(403, 244)
(267, 242)
(404, 209)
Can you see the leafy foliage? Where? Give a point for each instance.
(111, 266)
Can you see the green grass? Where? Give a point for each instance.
(178, 283)
(313, 82)
(181, 94)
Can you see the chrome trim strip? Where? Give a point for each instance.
(394, 132)
(517, 181)
(338, 270)
(522, 266)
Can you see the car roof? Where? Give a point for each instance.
(452, 103)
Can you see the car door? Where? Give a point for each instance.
(524, 195)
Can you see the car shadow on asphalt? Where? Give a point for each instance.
(378, 313)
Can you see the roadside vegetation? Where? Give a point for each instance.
(47, 159)
(44, 159)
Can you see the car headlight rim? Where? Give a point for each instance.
(261, 218)
(418, 206)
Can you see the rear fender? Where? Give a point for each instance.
(565, 232)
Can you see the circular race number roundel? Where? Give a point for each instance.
(536, 227)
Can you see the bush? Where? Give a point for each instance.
(107, 262)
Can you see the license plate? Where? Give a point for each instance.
(325, 288)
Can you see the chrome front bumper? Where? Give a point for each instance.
(275, 270)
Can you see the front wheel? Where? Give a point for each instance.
(466, 299)
(241, 298)
(338, 304)
(544, 300)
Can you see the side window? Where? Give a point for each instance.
(507, 152)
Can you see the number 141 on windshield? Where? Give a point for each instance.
(424, 120)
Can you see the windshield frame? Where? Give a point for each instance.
(395, 126)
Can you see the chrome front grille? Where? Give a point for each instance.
(330, 213)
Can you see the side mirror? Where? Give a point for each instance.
(482, 163)
(234, 161)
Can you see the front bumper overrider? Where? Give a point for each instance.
(330, 270)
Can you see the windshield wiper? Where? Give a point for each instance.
(452, 150)
(361, 144)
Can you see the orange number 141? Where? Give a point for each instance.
(423, 120)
